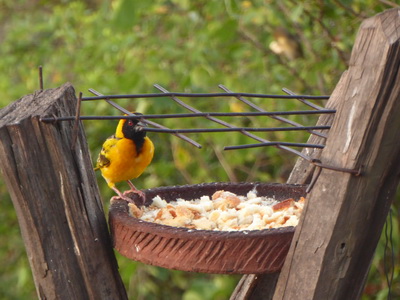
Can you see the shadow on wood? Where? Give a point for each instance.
(55, 195)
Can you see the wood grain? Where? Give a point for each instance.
(256, 287)
(262, 286)
(55, 195)
(340, 227)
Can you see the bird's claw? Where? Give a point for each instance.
(121, 197)
(130, 194)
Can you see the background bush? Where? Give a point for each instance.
(121, 47)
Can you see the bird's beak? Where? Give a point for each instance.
(141, 124)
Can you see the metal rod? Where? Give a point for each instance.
(204, 95)
(273, 116)
(274, 144)
(212, 116)
(197, 130)
(316, 172)
(181, 136)
(191, 115)
(301, 99)
(257, 138)
(235, 129)
(112, 103)
(75, 129)
(333, 168)
(41, 78)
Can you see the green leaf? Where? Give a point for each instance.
(127, 13)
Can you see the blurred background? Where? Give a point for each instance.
(122, 47)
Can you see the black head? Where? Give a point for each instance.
(133, 129)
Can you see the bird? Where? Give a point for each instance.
(125, 155)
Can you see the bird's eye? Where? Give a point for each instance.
(130, 123)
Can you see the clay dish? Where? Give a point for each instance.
(222, 252)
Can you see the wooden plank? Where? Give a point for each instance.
(262, 287)
(340, 227)
(55, 195)
(254, 287)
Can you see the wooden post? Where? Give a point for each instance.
(263, 286)
(55, 195)
(335, 241)
(344, 225)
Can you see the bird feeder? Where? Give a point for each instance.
(223, 252)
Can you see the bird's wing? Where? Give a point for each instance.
(103, 159)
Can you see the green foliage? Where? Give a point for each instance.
(15, 274)
(127, 46)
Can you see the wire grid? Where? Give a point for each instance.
(213, 117)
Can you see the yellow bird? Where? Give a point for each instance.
(125, 155)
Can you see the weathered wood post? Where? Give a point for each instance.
(334, 243)
(55, 195)
(263, 286)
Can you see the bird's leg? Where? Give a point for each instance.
(133, 188)
(120, 195)
(136, 191)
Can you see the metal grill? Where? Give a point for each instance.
(280, 116)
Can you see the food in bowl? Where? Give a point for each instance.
(224, 211)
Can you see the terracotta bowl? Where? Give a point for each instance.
(243, 252)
